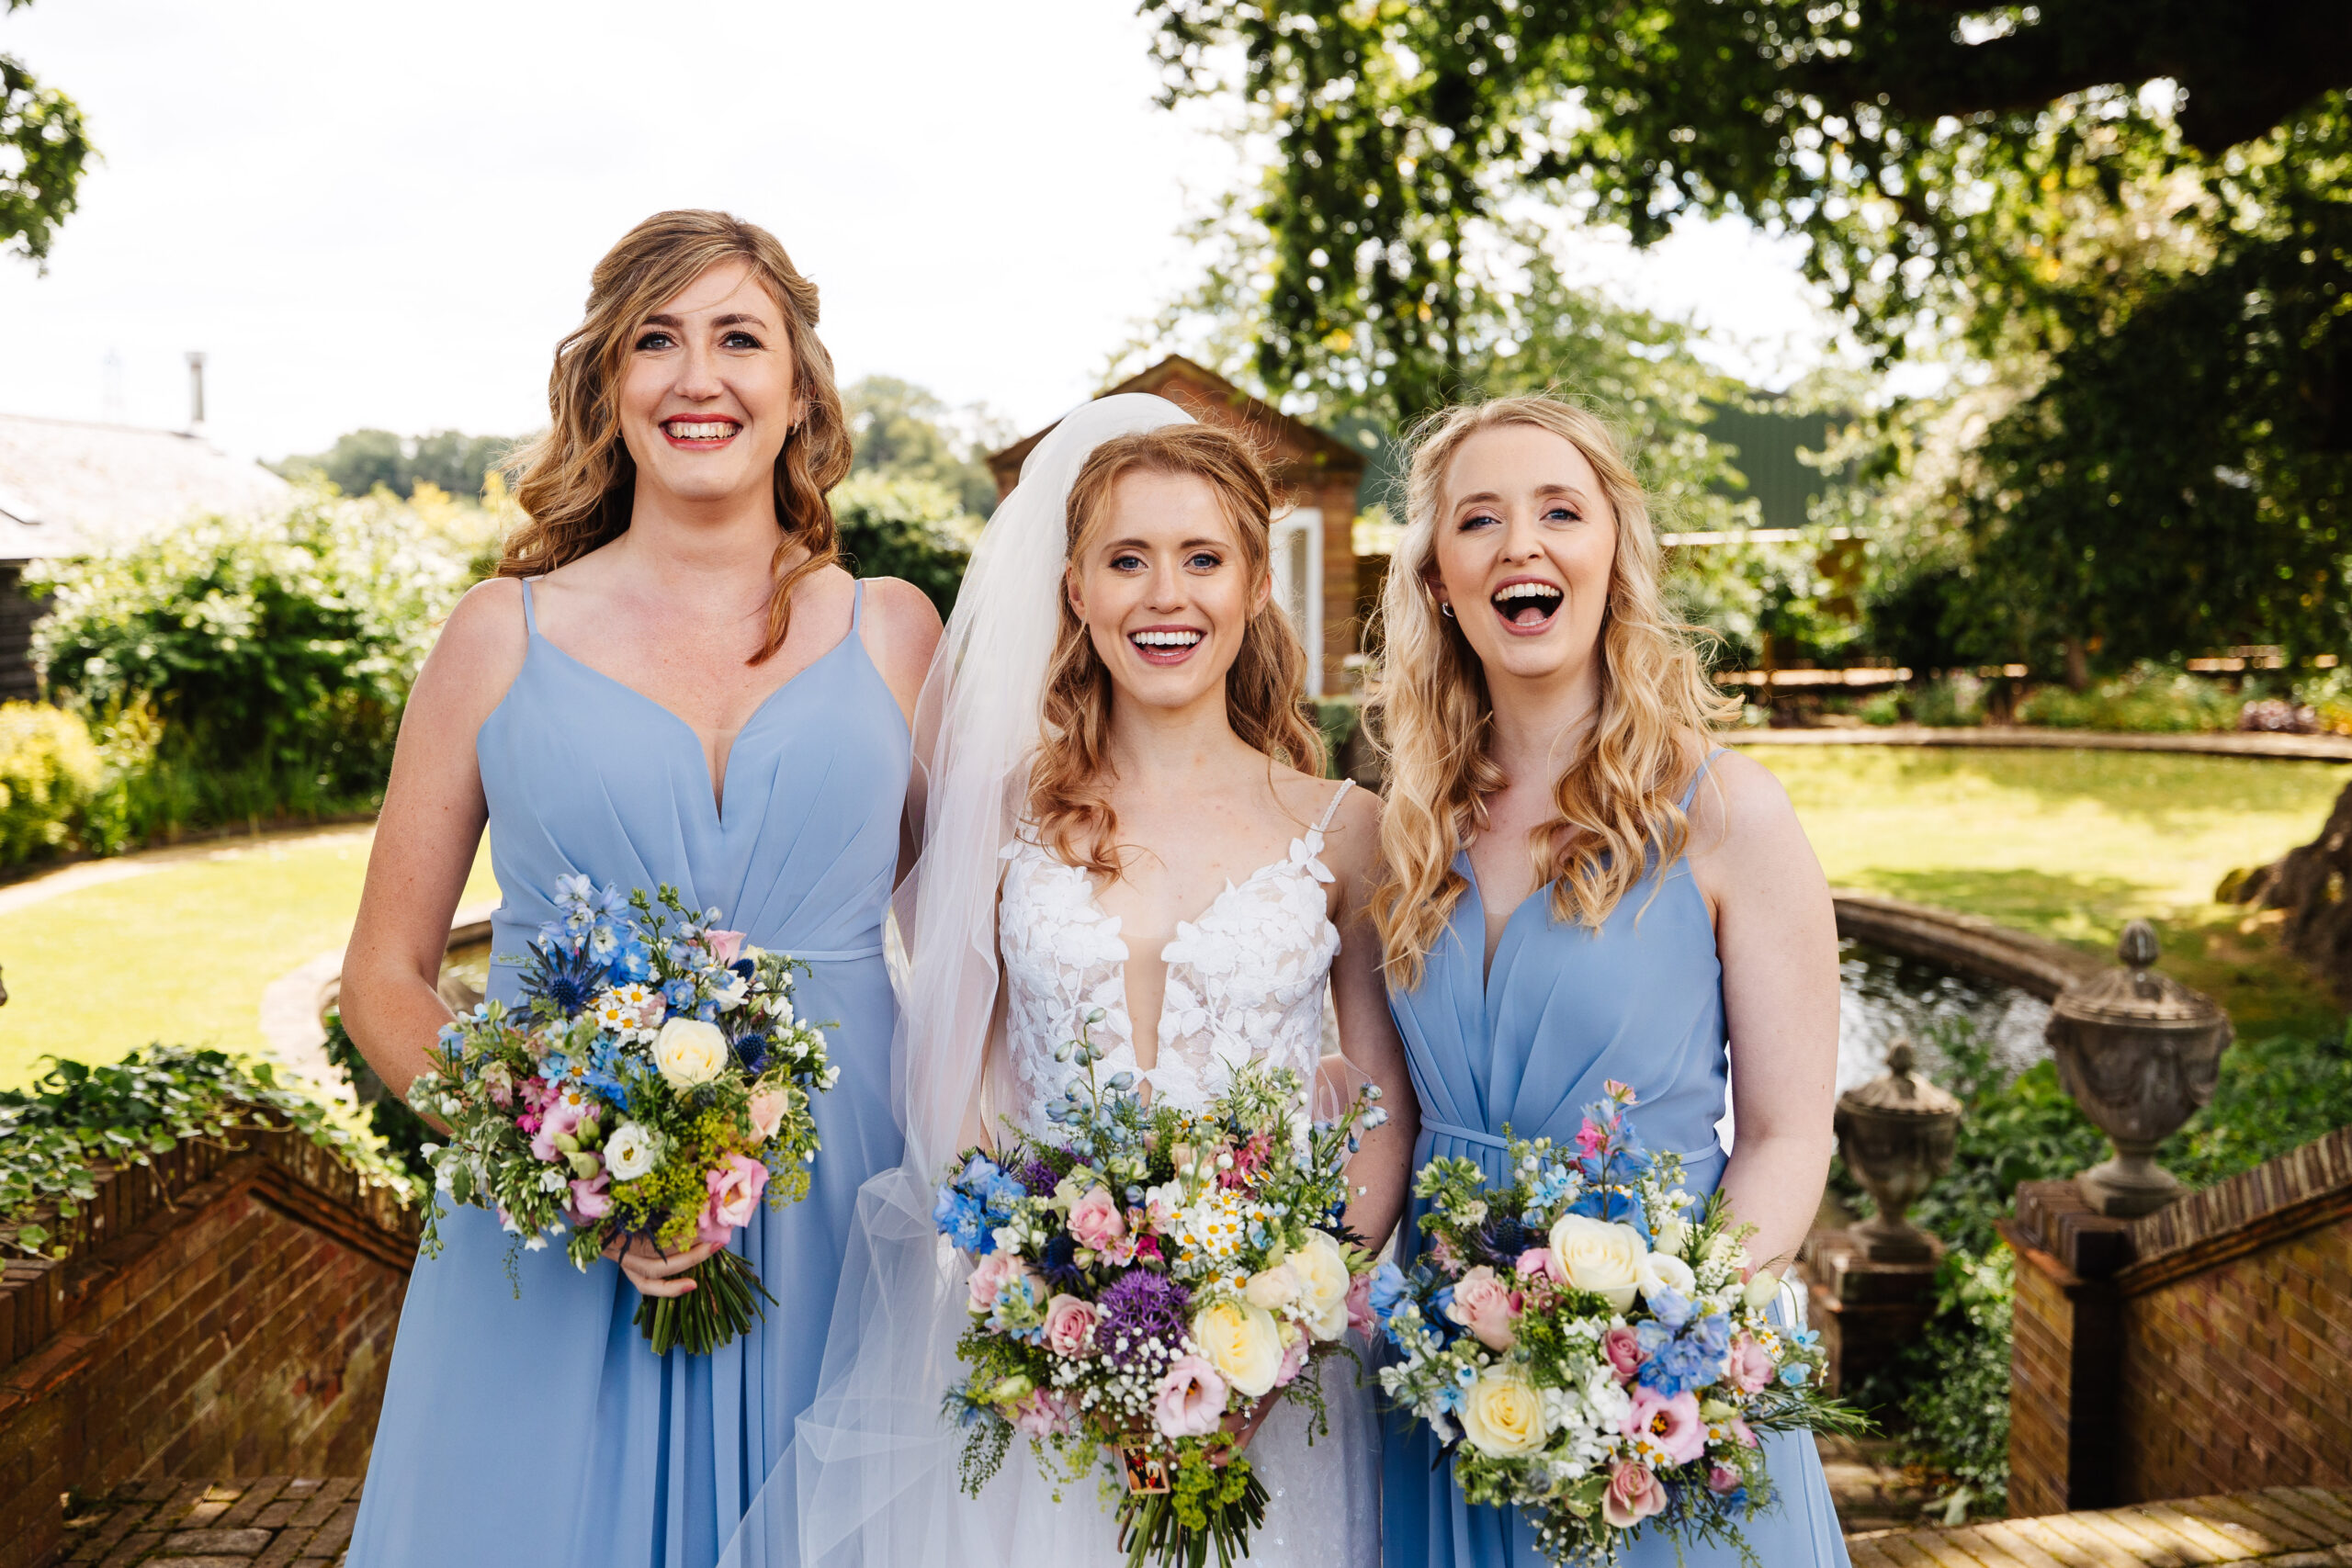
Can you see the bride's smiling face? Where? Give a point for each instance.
(707, 393)
(1161, 585)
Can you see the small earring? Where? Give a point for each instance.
(1445, 609)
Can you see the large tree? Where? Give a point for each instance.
(2134, 209)
(43, 148)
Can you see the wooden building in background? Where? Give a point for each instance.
(1317, 476)
(69, 488)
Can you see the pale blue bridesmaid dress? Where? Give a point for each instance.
(1531, 1044)
(539, 1429)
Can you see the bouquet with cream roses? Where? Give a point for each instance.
(1588, 1350)
(1142, 1281)
(653, 1086)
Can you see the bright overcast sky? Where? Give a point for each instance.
(371, 214)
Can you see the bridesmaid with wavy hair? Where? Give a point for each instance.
(1580, 886)
(672, 680)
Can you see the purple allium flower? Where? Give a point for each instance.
(1039, 1178)
(1140, 1305)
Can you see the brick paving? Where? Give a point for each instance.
(2284, 1527)
(277, 1521)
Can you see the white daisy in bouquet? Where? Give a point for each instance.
(652, 1087)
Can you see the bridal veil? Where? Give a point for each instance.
(871, 1478)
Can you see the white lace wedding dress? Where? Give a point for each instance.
(1246, 981)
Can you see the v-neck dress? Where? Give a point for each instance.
(536, 1428)
(1529, 1043)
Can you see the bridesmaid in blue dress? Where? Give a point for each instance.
(1580, 888)
(671, 681)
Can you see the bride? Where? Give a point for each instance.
(1116, 830)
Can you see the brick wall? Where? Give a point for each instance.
(2207, 1347)
(229, 1312)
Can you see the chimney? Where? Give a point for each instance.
(195, 391)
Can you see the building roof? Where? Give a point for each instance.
(1296, 445)
(68, 487)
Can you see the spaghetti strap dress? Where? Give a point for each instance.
(532, 1427)
(1529, 1044)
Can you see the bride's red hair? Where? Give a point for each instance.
(1265, 692)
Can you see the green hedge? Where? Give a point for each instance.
(48, 769)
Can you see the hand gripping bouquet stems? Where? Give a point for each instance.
(1145, 1279)
(1587, 1353)
(653, 1086)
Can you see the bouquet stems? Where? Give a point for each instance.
(1151, 1527)
(725, 1301)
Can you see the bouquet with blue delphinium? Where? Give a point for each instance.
(1142, 1277)
(653, 1086)
(1587, 1345)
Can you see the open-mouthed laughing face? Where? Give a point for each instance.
(1160, 581)
(706, 392)
(1523, 550)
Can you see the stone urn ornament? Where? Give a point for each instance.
(2139, 1052)
(1896, 1133)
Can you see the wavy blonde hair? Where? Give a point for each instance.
(577, 483)
(1617, 800)
(1265, 692)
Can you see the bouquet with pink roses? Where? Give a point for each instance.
(1144, 1280)
(653, 1086)
(1586, 1350)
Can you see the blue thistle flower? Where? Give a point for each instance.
(561, 975)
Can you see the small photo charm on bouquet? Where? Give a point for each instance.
(1146, 1279)
(1586, 1353)
(652, 1087)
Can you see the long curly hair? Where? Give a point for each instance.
(1265, 692)
(577, 483)
(1617, 800)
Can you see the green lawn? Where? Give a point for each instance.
(181, 953)
(2073, 844)
(2066, 845)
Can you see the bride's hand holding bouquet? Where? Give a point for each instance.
(1146, 1286)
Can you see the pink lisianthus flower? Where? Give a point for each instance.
(1293, 1358)
(1623, 1348)
(1537, 1263)
(1485, 1306)
(561, 1119)
(1095, 1221)
(1722, 1480)
(1635, 1493)
(1359, 1317)
(1045, 1413)
(1189, 1400)
(723, 945)
(1746, 1434)
(735, 1189)
(991, 1276)
(590, 1200)
(1070, 1325)
(1672, 1424)
(1148, 1246)
(1751, 1369)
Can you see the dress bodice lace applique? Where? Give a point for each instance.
(1245, 978)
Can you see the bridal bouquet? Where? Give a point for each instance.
(1587, 1353)
(653, 1085)
(1142, 1279)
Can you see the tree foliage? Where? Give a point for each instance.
(44, 148)
(903, 431)
(361, 460)
(908, 529)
